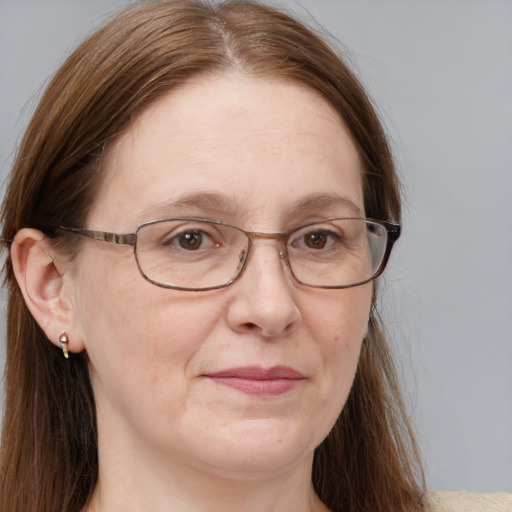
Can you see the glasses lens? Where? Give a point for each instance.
(190, 254)
(337, 253)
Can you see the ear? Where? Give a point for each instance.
(42, 279)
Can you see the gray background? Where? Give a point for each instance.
(441, 75)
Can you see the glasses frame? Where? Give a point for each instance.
(393, 233)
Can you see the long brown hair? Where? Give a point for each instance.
(49, 460)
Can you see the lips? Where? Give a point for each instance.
(254, 380)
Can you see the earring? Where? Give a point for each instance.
(64, 340)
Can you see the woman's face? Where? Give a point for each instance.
(175, 373)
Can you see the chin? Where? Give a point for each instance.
(262, 452)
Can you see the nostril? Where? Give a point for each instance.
(251, 326)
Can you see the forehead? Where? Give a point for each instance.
(259, 144)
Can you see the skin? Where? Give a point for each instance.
(170, 437)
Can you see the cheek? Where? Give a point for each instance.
(139, 337)
(339, 318)
(338, 324)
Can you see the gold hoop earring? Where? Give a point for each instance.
(64, 341)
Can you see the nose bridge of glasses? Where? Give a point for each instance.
(280, 237)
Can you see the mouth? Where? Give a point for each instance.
(254, 380)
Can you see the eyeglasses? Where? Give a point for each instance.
(200, 254)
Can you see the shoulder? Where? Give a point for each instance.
(463, 501)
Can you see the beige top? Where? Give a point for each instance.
(463, 501)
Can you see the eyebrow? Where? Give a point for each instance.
(220, 203)
(204, 200)
(318, 201)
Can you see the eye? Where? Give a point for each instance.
(191, 240)
(317, 239)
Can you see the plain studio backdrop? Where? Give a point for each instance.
(440, 73)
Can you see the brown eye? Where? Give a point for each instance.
(316, 240)
(191, 240)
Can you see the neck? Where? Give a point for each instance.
(191, 490)
(139, 483)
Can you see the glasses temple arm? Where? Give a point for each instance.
(104, 236)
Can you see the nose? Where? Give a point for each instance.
(264, 297)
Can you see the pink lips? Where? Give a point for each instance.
(254, 380)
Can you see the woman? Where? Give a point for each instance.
(192, 306)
